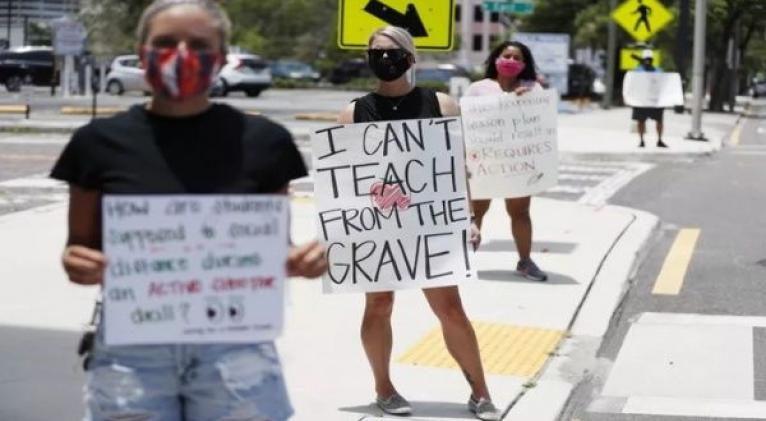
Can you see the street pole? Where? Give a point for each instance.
(611, 59)
(10, 18)
(465, 36)
(698, 70)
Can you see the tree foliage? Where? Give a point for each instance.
(307, 30)
(111, 24)
(740, 21)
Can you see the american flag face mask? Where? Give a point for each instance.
(180, 73)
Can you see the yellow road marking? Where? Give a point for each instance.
(30, 157)
(671, 277)
(505, 349)
(735, 135)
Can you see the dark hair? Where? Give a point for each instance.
(528, 73)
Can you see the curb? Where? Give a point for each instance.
(86, 111)
(37, 129)
(554, 385)
(16, 109)
(325, 117)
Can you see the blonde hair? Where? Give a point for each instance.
(216, 12)
(399, 36)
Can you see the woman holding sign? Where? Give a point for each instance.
(178, 144)
(511, 69)
(391, 55)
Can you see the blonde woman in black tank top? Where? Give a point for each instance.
(391, 53)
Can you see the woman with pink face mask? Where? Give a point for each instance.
(179, 143)
(511, 69)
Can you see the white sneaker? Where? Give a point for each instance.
(484, 409)
(394, 405)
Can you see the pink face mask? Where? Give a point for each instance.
(508, 67)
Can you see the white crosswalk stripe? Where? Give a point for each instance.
(23, 193)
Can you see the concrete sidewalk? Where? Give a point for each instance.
(531, 333)
(520, 323)
(609, 132)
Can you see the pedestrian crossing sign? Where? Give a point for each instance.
(630, 58)
(642, 19)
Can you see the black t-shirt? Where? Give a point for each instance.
(220, 151)
(418, 103)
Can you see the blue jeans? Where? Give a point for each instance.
(217, 382)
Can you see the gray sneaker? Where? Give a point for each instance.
(394, 404)
(529, 270)
(484, 409)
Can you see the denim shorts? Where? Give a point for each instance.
(216, 382)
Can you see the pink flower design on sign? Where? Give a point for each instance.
(385, 196)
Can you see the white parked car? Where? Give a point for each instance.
(247, 73)
(126, 75)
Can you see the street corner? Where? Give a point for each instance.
(576, 356)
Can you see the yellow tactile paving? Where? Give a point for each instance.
(505, 349)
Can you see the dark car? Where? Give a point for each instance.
(350, 69)
(294, 70)
(26, 65)
(758, 88)
(580, 81)
(439, 73)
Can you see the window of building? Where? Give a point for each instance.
(458, 11)
(478, 14)
(477, 42)
(494, 17)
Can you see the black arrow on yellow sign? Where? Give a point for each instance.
(410, 20)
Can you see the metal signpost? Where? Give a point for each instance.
(69, 41)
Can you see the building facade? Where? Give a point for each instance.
(483, 30)
(21, 14)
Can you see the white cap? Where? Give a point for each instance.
(647, 54)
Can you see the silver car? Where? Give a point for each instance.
(126, 75)
(248, 73)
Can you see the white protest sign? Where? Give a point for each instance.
(69, 37)
(551, 53)
(652, 89)
(511, 143)
(392, 206)
(194, 268)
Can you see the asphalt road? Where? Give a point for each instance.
(724, 196)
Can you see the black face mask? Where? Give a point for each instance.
(388, 65)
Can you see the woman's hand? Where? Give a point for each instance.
(475, 236)
(307, 260)
(83, 265)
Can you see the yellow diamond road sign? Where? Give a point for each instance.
(643, 19)
(431, 22)
(630, 58)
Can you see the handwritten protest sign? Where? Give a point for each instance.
(511, 143)
(652, 89)
(392, 207)
(194, 269)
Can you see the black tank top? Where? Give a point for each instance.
(419, 103)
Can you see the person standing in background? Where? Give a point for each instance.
(641, 114)
(511, 69)
(391, 54)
